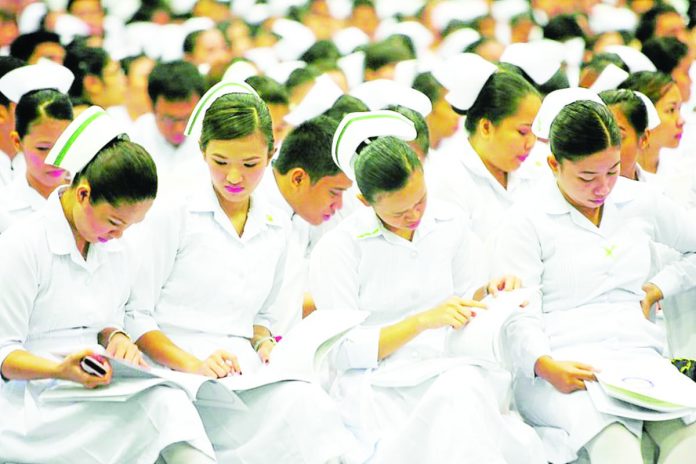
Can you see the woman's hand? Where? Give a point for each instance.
(456, 312)
(218, 365)
(565, 376)
(506, 283)
(653, 295)
(69, 369)
(265, 349)
(121, 347)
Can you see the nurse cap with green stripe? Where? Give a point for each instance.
(195, 122)
(357, 128)
(82, 140)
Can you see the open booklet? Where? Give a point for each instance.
(647, 390)
(480, 338)
(296, 357)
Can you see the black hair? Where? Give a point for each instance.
(630, 105)
(343, 105)
(308, 146)
(383, 166)
(84, 61)
(388, 51)
(422, 131)
(236, 115)
(499, 98)
(648, 21)
(599, 61)
(25, 45)
(148, 9)
(563, 27)
(653, 84)
(190, 41)
(300, 76)
(121, 172)
(428, 86)
(188, 81)
(45, 103)
(583, 128)
(270, 90)
(556, 82)
(665, 52)
(321, 50)
(128, 61)
(7, 64)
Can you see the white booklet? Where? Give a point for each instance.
(296, 357)
(653, 384)
(609, 405)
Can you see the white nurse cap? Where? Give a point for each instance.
(195, 122)
(635, 60)
(610, 78)
(82, 140)
(320, 98)
(381, 93)
(356, 128)
(554, 103)
(530, 59)
(43, 75)
(464, 76)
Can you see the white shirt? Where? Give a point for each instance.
(591, 277)
(120, 114)
(361, 265)
(11, 169)
(206, 278)
(180, 170)
(18, 200)
(460, 177)
(52, 298)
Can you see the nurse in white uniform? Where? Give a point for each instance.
(484, 176)
(585, 239)
(218, 261)
(66, 283)
(418, 271)
(42, 113)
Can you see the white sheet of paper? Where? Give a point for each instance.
(608, 405)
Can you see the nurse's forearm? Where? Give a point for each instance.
(393, 337)
(22, 365)
(159, 347)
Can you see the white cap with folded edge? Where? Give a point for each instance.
(43, 75)
(554, 103)
(82, 139)
(653, 116)
(529, 58)
(319, 99)
(463, 75)
(356, 128)
(239, 71)
(610, 78)
(195, 122)
(634, 59)
(380, 93)
(457, 41)
(353, 67)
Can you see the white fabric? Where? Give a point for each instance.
(209, 287)
(591, 279)
(44, 75)
(394, 403)
(463, 75)
(554, 103)
(179, 169)
(59, 301)
(461, 178)
(10, 169)
(634, 59)
(18, 200)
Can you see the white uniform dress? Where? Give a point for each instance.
(53, 300)
(18, 200)
(590, 312)
(180, 169)
(416, 405)
(211, 286)
(10, 169)
(460, 177)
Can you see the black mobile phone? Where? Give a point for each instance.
(93, 366)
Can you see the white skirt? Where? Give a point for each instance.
(289, 422)
(451, 417)
(132, 431)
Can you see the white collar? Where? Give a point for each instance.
(19, 195)
(473, 162)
